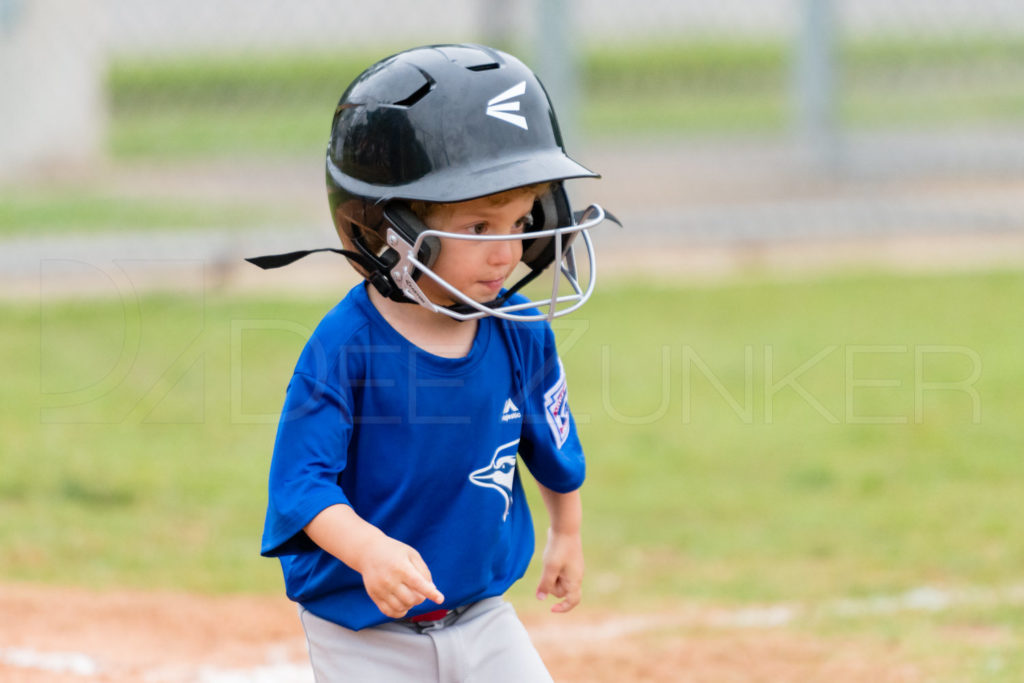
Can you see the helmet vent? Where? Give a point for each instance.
(483, 67)
(417, 94)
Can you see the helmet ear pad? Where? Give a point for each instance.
(409, 226)
(550, 210)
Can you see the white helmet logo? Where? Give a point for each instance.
(499, 106)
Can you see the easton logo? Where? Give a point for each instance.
(511, 412)
(500, 106)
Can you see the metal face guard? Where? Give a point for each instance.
(408, 265)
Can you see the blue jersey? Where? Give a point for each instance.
(423, 447)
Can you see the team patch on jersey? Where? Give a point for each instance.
(500, 473)
(510, 412)
(556, 407)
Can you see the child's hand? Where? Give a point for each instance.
(396, 577)
(563, 570)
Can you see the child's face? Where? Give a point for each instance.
(478, 268)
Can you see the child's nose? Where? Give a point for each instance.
(505, 251)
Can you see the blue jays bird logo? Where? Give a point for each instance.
(500, 474)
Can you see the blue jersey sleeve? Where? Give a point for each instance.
(310, 453)
(550, 446)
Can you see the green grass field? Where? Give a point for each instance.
(56, 210)
(754, 442)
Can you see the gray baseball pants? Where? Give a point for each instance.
(487, 643)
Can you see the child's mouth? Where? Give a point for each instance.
(493, 285)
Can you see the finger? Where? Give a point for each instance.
(417, 562)
(391, 609)
(572, 599)
(396, 602)
(548, 582)
(406, 596)
(564, 606)
(419, 581)
(569, 589)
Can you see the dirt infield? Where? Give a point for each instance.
(51, 634)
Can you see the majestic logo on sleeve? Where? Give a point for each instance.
(500, 107)
(556, 407)
(500, 474)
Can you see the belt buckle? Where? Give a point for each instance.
(424, 625)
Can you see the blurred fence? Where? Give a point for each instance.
(676, 68)
(716, 121)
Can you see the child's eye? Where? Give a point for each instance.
(524, 223)
(478, 229)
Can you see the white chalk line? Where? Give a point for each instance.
(86, 666)
(74, 663)
(920, 599)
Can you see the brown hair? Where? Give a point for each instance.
(425, 209)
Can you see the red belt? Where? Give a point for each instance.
(436, 615)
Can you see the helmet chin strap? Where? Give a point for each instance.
(381, 282)
(500, 301)
(280, 260)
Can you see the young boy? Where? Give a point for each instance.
(395, 502)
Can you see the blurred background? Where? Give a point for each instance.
(799, 385)
(732, 128)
